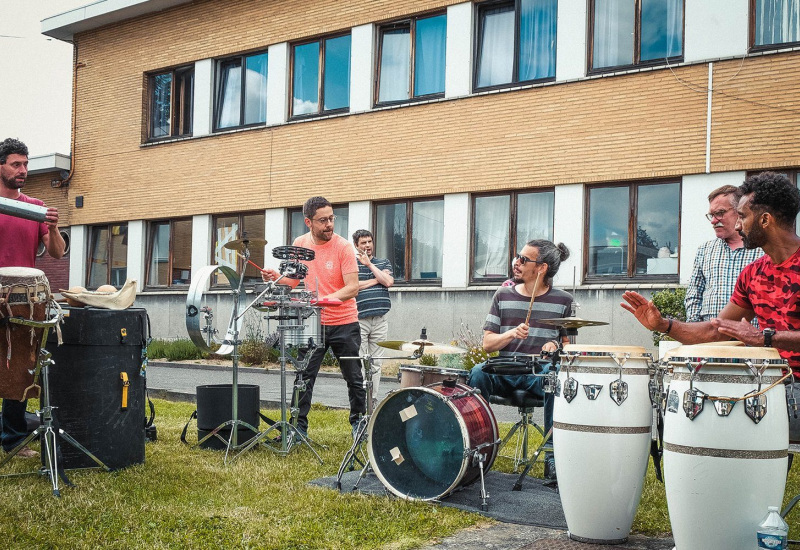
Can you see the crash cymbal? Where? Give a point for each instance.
(571, 322)
(240, 244)
(429, 347)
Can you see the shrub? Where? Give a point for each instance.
(428, 360)
(473, 343)
(670, 303)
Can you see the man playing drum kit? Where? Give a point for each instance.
(333, 273)
(507, 331)
(768, 289)
(19, 240)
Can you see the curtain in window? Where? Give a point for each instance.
(182, 252)
(496, 56)
(662, 29)
(158, 274)
(490, 241)
(98, 261)
(395, 61)
(230, 95)
(390, 236)
(161, 104)
(614, 22)
(777, 21)
(429, 49)
(537, 39)
(306, 79)
(427, 238)
(534, 217)
(337, 73)
(255, 101)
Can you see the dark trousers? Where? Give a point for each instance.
(344, 341)
(14, 426)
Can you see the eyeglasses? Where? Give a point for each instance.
(718, 214)
(325, 221)
(524, 260)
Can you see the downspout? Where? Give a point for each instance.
(76, 66)
(708, 116)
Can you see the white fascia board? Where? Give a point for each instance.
(54, 162)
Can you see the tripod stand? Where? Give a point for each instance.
(45, 414)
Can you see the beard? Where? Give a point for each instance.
(322, 235)
(12, 183)
(752, 240)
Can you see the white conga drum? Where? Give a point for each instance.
(724, 461)
(602, 420)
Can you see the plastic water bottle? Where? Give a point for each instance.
(773, 532)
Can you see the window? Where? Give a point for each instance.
(501, 225)
(633, 231)
(321, 76)
(108, 255)
(297, 225)
(229, 228)
(411, 235)
(774, 22)
(634, 32)
(171, 99)
(516, 42)
(241, 91)
(169, 253)
(411, 59)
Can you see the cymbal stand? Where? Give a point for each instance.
(356, 453)
(45, 414)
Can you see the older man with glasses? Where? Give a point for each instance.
(719, 261)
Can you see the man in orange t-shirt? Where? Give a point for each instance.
(333, 273)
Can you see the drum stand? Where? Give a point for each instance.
(45, 414)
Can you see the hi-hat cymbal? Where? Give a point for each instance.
(571, 322)
(429, 347)
(240, 244)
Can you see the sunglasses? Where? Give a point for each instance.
(524, 260)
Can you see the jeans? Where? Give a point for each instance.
(344, 341)
(14, 426)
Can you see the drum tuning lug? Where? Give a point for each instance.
(755, 406)
(570, 388)
(618, 391)
(724, 407)
(592, 390)
(693, 401)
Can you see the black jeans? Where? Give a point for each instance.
(14, 427)
(344, 341)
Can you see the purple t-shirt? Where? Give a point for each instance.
(19, 238)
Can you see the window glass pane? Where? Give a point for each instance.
(657, 215)
(158, 273)
(230, 94)
(297, 225)
(306, 79)
(490, 238)
(119, 254)
(395, 61)
(429, 51)
(662, 29)
(184, 90)
(253, 225)
(341, 225)
(390, 236)
(337, 73)
(160, 116)
(182, 252)
(614, 22)
(777, 21)
(427, 234)
(226, 229)
(537, 39)
(98, 260)
(534, 217)
(255, 101)
(496, 55)
(608, 231)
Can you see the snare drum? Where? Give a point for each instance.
(422, 440)
(25, 293)
(299, 321)
(601, 438)
(724, 462)
(413, 376)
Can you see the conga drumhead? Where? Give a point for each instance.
(633, 351)
(20, 273)
(725, 353)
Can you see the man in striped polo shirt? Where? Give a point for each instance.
(374, 279)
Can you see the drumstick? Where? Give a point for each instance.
(249, 262)
(533, 297)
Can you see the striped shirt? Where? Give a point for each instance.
(373, 301)
(509, 309)
(716, 268)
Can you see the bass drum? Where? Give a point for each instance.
(422, 440)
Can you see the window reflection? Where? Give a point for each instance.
(306, 71)
(776, 21)
(108, 257)
(337, 73)
(232, 227)
(325, 86)
(241, 91)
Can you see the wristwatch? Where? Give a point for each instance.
(768, 334)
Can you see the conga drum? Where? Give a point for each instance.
(602, 420)
(24, 293)
(725, 458)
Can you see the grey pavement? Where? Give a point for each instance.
(178, 381)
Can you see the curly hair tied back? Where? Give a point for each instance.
(774, 193)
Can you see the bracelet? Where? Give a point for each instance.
(669, 327)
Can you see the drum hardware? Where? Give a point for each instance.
(479, 460)
(209, 329)
(570, 384)
(592, 390)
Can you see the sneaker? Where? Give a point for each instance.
(27, 452)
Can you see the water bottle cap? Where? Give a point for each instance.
(772, 508)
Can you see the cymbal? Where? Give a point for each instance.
(571, 322)
(240, 244)
(429, 347)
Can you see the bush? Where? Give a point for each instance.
(473, 343)
(428, 360)
(174, 350)
(670, 303)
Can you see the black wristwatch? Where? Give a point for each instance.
(768, 334)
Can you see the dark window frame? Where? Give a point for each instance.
(149, 253)
(630, 276)
(299, 209)
(218, 91)
(751, 39)
(178, 116)
(411, 24)
(242, 229)
(320, 77)
(514, 246)
(109, 252)
(637, 42)
(515, 81)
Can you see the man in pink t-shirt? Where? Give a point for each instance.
(19, 239)
(333, 273)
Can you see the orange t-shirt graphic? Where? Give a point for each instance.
(331, 262)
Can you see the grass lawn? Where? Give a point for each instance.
(185, 498)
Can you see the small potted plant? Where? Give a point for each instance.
(670, 303)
